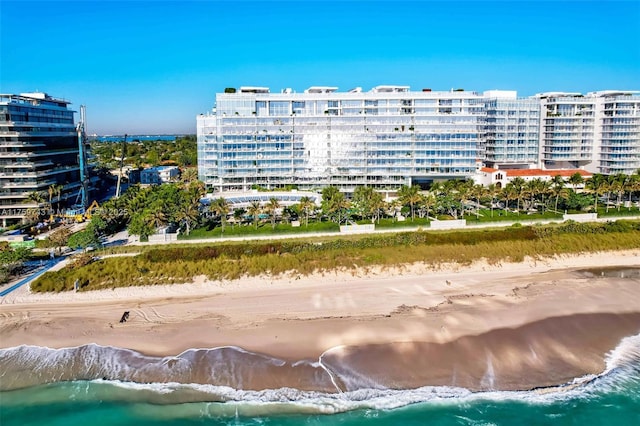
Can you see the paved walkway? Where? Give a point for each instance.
(408, 228)
(48, 265)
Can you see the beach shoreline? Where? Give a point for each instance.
(513, 315)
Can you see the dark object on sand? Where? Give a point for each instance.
(125, 316)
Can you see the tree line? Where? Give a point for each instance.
(143, 210)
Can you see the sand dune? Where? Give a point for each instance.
(296, 318)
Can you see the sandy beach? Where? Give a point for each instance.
(507, 326)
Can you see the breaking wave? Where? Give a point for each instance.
(124, 377)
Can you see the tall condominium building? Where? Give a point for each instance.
(38, 151)
(391, 136)
(383, 138)
(567, 129)
(512, 130)
(599, 131)
(618, 133)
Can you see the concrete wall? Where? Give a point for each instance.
(447, 224)
(161, 238)
(354, 229)
(582, 217)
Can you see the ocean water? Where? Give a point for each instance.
(610, 398)
(130, 138)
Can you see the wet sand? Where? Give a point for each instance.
(510, 326)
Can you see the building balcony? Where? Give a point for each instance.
(28, 164)
(16, 144)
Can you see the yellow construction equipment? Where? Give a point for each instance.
(80, 214)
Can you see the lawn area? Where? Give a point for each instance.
(504, 215)
(264, 228)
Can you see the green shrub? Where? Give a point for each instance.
(233, 260)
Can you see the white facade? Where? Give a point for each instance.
(512, 130)
(599, 131)
(383, 138)
(159, 175)
(392, 136)
(618, 133)
(500, 177)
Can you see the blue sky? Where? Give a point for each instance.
(149, 67)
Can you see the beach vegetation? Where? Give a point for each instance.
(234, 260)
(12, 260)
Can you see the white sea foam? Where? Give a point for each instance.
(622, 368)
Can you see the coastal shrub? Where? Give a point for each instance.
(180, 264)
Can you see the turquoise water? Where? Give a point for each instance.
(611, 399)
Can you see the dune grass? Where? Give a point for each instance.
(179, 264)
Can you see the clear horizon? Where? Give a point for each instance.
(150, 67)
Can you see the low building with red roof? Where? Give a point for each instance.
(500, 177)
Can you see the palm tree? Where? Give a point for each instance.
(609, 183)
(36, 196)
(409, 195)
(187, 214)
(617, 186)
(633, 185)
(57, 191)
(338, 204)
(376, 204)
(575, 180)
(189, 174)
(462, 192)
(477, 191)
(334, 202)
(557, 189)
(271, 208)
(305, 205)
(156, 217)
(254, 210)
(492, 191)
(221, 208)
(427, 201)
(509, 192)
(519, 189)
(544, 189)
(33, 215)
(51, 191)
(596, 185)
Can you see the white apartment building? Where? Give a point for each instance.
(599, 131)
(391, 136)
(617, 133)
(512, 130)
(159, 175)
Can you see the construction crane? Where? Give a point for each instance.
(79, 210)
(124, 146)
(82, 160)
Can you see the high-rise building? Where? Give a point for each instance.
(617, 147)
(392, 136)
(383, 138)
(567, 130)
(512, 130)
(39, 154)
(599, 131)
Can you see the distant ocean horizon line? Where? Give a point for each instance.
(132, 137)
